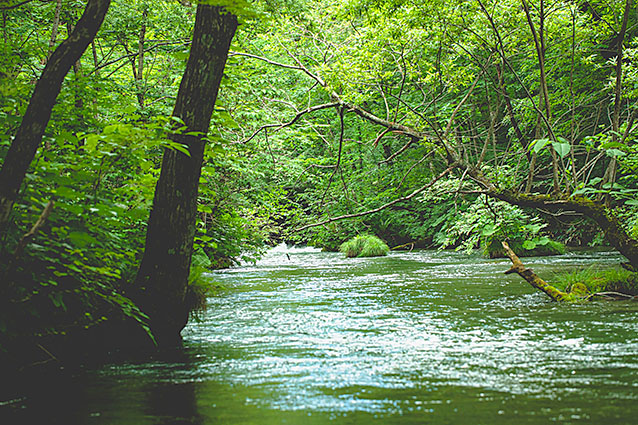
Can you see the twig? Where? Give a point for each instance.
(336, 168)
(296, 118)
(613, 295)
(382, 207)
(31, 233)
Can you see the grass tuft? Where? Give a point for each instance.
(612, 280)
(364, 246)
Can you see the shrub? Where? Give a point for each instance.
(364, 246)
(485, 224)
(530, 248)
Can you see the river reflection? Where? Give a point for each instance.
(422, 337)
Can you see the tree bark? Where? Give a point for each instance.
(606, 220)
(162, 281)
(35, 120)
(532, 278)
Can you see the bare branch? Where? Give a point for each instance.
(382, 207)
(263, 59)
(336, 168)
(31, 233)
(296, 118)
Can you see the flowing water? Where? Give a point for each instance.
(305, 337)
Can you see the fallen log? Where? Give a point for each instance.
(533, 279)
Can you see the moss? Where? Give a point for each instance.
(579, 290)
(364, 246)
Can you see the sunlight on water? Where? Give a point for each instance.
(315, 330)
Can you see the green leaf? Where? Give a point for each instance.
(529, 245)
(81, 239)
(542, 241)
(488, 230)
(615, 153)
(561, 148)
(538, 144)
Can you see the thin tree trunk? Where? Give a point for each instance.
(78, 124)
(35, 120)
(55, 29)
(139, 77)
(162, 281)
(539, 43)
(610, 173)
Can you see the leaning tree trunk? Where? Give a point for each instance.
(35, 120)
(162, 280)
(611, 226)
(532, 278)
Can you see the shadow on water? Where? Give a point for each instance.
(132, 393)
(421, 337)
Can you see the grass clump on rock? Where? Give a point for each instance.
(600, 281)
(364, 246)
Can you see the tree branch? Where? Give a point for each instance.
(31, 233)
(296, 118)
(382, 207)
(532, 278)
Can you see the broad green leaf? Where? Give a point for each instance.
(542, 241)
(562, 149)
(615, 153)
(538, 144)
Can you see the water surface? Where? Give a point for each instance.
(305, 337)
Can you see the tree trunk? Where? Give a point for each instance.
(162, 280)
(606, 220)
(610, 173)
(35, 120)
(532, 278)
(55, 29)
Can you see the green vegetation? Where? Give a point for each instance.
(364, 246)
(592, 280)
(434, 124)
(485, 224)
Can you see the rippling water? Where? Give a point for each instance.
(420, 337)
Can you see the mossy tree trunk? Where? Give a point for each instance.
(532, 278)
(162, 280)
(35, 120)
(614, 232)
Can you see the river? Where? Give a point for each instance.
(305, 337)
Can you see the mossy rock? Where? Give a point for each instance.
(364, 246)
(579, 290)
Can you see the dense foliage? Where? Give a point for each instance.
(429, 124)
